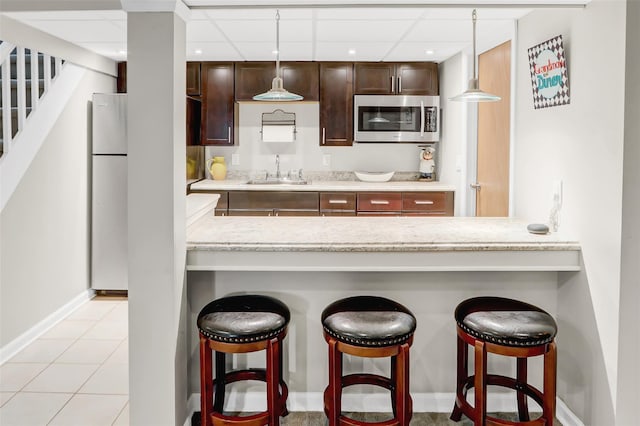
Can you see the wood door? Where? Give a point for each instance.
(301, 78)
(374, 78)
(217, 103)
(253, 78)
(336, 104)
(419, 78)
(494, 74)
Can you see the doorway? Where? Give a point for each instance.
(493, 154)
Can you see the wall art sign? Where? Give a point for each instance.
(549, 79)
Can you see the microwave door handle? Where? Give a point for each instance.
(421, 118)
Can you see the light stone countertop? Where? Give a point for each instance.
(198, 205)
(321, 185)
(370, 234)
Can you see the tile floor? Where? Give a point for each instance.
(76, 374)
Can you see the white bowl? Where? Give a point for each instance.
(374, 176)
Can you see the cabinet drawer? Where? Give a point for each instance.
(269, 200)
(428, 202)
(338, 201)
(379, 201)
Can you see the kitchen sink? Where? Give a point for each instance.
(277, 181)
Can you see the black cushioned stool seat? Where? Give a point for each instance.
(511, 328)
(240, 324)
(370, 327)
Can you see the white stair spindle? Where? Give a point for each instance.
(21, 89)
(5, 50)
(35, 80)
(6, 105)
(46, 61)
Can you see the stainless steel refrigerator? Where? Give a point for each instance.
(109, 192)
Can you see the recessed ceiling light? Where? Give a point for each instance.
(198, 51)
(352, 52)
(429, 52)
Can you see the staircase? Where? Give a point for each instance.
(25, 77)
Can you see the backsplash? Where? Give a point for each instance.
(305, 152)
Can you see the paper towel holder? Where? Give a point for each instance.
(279, 118)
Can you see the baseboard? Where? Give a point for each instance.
(377, 402)
(20, 342)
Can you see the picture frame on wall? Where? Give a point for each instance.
(548, 68)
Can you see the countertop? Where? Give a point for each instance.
(322, 185)
(199, 205)
(372, 243)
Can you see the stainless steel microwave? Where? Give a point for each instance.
(391, 118)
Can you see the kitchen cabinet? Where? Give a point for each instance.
(217, 103)
(438, 203)
(273, 203)
(336, 104)
(121, 79)
(379, 203)
(193, 79)
(337, 204)
(384, 78)
(194, 120)
(253, 78)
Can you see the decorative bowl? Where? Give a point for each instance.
(374, 176)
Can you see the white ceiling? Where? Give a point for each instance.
(306, 34)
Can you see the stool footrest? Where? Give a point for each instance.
(507, 382)
(367, 379)
(259, 419)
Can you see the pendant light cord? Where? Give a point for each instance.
(474, 17)
(277, 43)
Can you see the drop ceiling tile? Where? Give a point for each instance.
(373, 14)
(203, 31)
(366, 31)
(258, 14)
(83, 31)
(337, 51)
(449, 30)
(417, 51)
(264, 51)
(212, 52)
(260, 31)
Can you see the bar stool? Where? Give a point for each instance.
(241, 324)
(510, 328)
(370, 327)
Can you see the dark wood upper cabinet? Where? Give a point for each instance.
(121, 79)
(387, 78)
(253, 78)
(336, 104)
(217, 105)
(193, 78)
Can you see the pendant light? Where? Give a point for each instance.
(277, 91)
(473, 92)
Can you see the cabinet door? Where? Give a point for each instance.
(438, 203)
(390, 202)
(336, 104)
(193, 78)
(419, 78)
(375, 78)
(338, 203)
(217, 105)
(121, 81)
(253, 78)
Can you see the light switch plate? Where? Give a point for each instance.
(326, 160)
(235, 159)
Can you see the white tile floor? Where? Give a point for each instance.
(76, 374)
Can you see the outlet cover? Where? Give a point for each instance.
(326, 160)
(235, 159)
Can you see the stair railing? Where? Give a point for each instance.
(22, 91)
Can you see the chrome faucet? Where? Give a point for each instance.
(277, 166)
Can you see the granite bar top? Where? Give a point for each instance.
(370, 234)
(321, 185)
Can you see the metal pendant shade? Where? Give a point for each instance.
(277, 91)
(473, 92)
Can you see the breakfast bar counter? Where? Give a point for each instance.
(375, 244)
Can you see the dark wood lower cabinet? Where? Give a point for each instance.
(273, 203)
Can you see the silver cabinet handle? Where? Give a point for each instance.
(475, 186)
(337, 201)
(229, 135)
(323, 136)
(399, 84)
(421, 118)
(393, 78)
(380, 202)
(423, 202)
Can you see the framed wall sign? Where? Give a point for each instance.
(549, 79)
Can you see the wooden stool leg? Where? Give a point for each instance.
(273, 381)
(549, 386)
(480, 383)
(283, 404)
(521, 379)
(401, 384)
(206, 383)
(335, 383)
(219, 382)
(462, 374)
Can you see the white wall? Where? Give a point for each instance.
(582, 145)
(45, 224)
